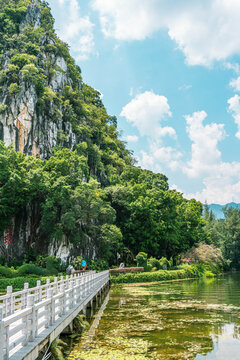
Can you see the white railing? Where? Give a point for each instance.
(25, 314)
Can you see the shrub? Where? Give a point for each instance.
(18, 283)
(205, 254)
(22, 59)
(3, 107)
(53, 265)
(3, 76)
(32, 269)
(141, 259)
(192, 271)
(160, 275)
(6, 272)
(14, 89)
(164, 262)
(30, 72)
(154, 263)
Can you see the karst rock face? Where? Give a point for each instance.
(36, 72)
(32, 130)
(45, 107)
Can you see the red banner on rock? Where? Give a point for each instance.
(8, 236)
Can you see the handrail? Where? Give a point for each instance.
(14, 301)
(26, 314)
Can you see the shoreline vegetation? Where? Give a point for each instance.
(188, 272)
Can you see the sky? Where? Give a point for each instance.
(170, 71)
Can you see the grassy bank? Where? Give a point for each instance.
(161, 275)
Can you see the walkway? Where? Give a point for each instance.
(33, 317)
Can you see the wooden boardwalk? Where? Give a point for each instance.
(33, 317)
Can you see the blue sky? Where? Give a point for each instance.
(170, 71)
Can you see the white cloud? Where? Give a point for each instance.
(160, 157)
(205, 153)
(205, 31)
(166, 155)
(146, 111)
(132, 138)
(235, 84)
(73, 28)
(232, 66)
(146, 161)
(175, 187)
(220, 189)
(220, 179)
(234, 108)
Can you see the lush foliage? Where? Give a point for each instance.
(225, 234)
(161, 275)
(205, 254)
(18, 282)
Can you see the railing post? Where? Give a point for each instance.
(31, 304)
(72, 294)
(47, 286)
(39, 292)
(10, 306)
(83, 287)
(78, 298)
(1, 334)
(55, 286)
(51, 306)
(67, 282)
(63, 305)
(25, 296)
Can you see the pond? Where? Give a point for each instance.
(182, 320)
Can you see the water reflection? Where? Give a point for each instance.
(185, 320)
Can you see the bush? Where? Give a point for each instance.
(53, 265)
(6, 272)
(31, 269)
(205, 254)
(154, 263)
(18, 283)
(164, 262)
(14, 89)
(30, 72)
(21, 60)
(3, 107)
(141, 259)
(98, 265)
(160, 275)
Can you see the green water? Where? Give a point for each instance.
(193, 319)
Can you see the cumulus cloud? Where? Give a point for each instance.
(166, 155)
(234, 108)
(232, 66)
(205, 31)
(73, 28)
(205, 138)
(220, 179)
(132, 138)
(235, 84)
(146, 161)
(160, 157)
(146, 112)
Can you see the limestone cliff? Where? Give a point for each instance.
(21, 122)
(45, 105)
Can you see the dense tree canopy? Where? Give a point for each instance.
(225, 233)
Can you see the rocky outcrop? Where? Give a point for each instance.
(35, 132)
(21, 121)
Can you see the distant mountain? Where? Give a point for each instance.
(217, 209)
